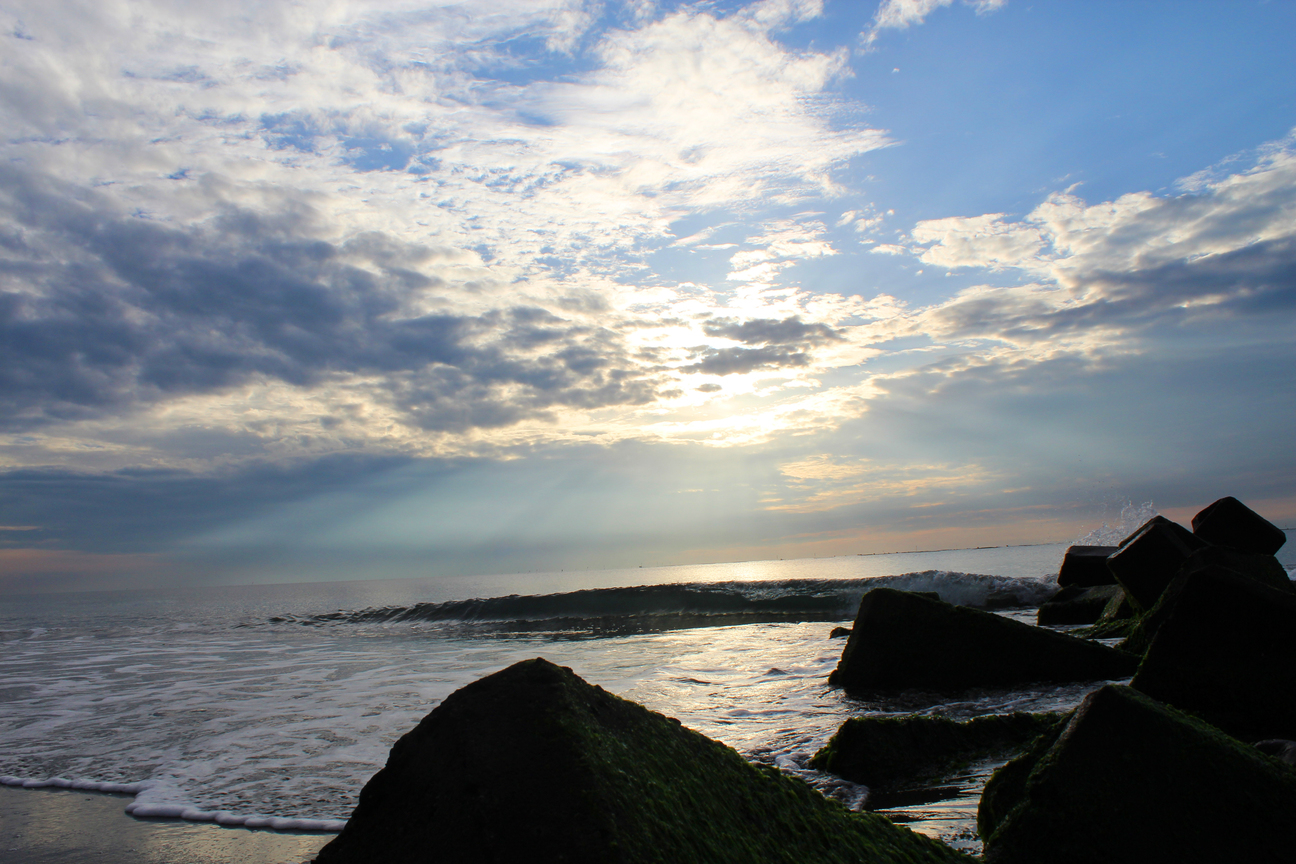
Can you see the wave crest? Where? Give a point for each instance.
(610, 611)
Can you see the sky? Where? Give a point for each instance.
(298, 291)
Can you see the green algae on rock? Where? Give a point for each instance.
(888, 753)
(902, 641)
(534, 764)
(1129, 780)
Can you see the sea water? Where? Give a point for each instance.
(270, 706)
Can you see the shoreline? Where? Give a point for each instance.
(47, 825)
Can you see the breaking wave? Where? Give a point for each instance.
(611, 611)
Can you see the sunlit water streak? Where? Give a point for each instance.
(205, 709)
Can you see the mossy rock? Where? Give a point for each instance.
(890, 753)
(1118, 608)
(1129, 780)
(534, 764)
(901, 641)
(1118, 628)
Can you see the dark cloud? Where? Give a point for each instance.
(779, 344)
(1255, 282)
(769, 331)
(101, 311)
(1256, 279)
(730, 361)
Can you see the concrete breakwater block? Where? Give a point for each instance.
(1128, 781)
(1224, 648)
(901, 641)
(889, 753)
(534, 764)
(1086, 566)
(1229, 522)
(1262, 569)
(1077, 605)
(1150, 557)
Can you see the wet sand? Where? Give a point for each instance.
(44, 826)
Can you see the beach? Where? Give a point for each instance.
(40, 826)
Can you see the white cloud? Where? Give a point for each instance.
(979, 241)
(902, 14)
(413, 145)
(1068, 241)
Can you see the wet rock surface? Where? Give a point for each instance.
(903, 641)
(903, 759)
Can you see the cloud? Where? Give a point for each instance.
(1109, 273)
(104, 312)
(824, 482)
(979, 241)
(302, 230)
(1165, 281)
(789, 331)
(769, 344)
(903, 14)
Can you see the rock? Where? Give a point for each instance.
(1130, 781)
(1086, 566)
(839, 633)
(1264, 569)
(903, 641)
(1117, 621)
(1118, 607)
(1150, 557)
(1155, 520)
(1224, 650)
(1117, 629)
(533, 764)
(1229, 522)
(889, 754)
(1076, 605)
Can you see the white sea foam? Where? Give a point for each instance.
(80, 784)
(973, 589)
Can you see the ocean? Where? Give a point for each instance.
(270, 706)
